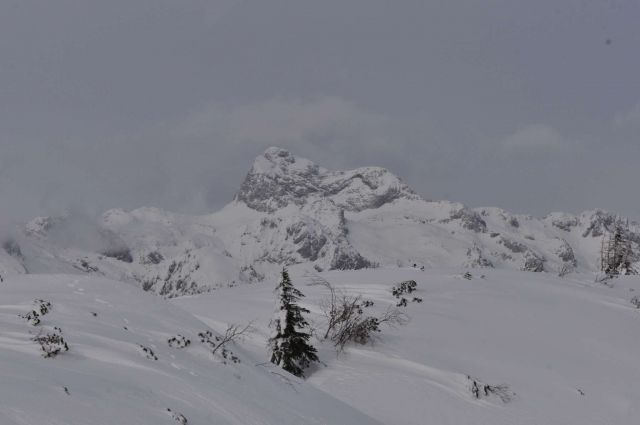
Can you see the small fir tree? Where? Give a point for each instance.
(617, 252)
(289, 342)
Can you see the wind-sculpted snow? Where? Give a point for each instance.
(291, 211)
(552, 351)
(121, 362)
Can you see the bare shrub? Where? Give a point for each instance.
(52, 343)
(405, 287)
(43, 306)
(232, 334)
(33, 317)
(346, 318)
(178, 417)
(148, 352)
(179, 341)
(481, 390)
(565, 269)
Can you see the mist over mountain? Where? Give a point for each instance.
(291, 211)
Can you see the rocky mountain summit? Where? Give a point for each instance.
(290, 211)
(278, 179)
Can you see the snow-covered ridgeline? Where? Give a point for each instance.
(292, 211)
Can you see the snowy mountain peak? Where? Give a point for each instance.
(290, 211)
(277, 161)
(278, 179)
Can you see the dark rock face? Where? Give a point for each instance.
(349, 259)
(278, 179)
(178, 279)
(469, 220)
(476, 258)
(309, 239)
(533, 262)
(513, 246)
(601, 222)
(12, 248)
(153, 257)
(121, 254)
(275, 181)
(565, 252)
(566, 224)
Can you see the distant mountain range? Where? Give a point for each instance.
(290, 211)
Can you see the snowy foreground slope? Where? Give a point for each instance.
(107, 377)
(567, 348)
(291, 211)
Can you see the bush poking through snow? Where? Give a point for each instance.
(233, 334)
(346, 318)
(178, 417)
(402, 288)
(179, 341)
(635, 301)
(52, 344)
(148, 352)
(43, 306)
(33, 317)
(205, 337)
(481, 390)
(565, 269)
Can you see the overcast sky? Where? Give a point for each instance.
(533, 106)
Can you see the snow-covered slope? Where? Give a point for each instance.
(291, 211)
(566, 348)
(120, 368)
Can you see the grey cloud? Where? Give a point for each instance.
(537, 139)
(628, 120)
(165, 103)
(319, 127)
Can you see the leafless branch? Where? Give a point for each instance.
(346, 318)
(233, 333)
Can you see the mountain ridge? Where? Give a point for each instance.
(290, 211)
(278, 178)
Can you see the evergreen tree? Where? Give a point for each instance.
(289, 342)
(617, 253)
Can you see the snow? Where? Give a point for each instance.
(277, 161)
(108, 377)
(291, 211)
(565, 347)
(549, 339)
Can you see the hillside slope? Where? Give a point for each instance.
(120, 368)
(566, 348)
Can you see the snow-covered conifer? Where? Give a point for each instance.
(289, 343)
(617, 253)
